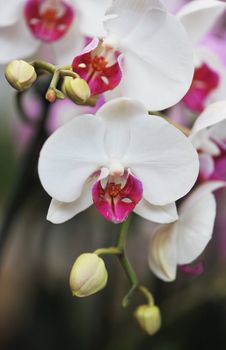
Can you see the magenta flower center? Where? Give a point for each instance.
(48, 20)
(205, 81)
(99, 63)
(115, 201)
(100, 68)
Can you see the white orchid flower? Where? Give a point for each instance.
(208, 131)
(199, 16)
(209, 81)
(183, 241)
(208, 136)
(121, 160)
(25, 25)
(145, 49)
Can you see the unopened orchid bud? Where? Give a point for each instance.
(88, 275)
(20, 74)
(51, 95)
(149, 318)
(76, 89)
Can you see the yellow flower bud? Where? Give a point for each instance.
(149, 318)
(76, 89)
(20, 74)
(88, 275)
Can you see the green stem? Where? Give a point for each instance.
(122, 235)
(48, 67)
(52, 90)
(124, 261)
(108, 251)
(68, 73)
(120, 251)
(183, 129)
(55, 79)
(148, 296)
(132, 277)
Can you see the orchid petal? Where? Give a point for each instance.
(146, 34)
(219, 168)
(214, 113)
(101, 74)
(182, 242)
(10, 12)
(195, 228)
(218, 133)
(205, 82)
(199, 16)
(209, 57)
(204, 189)
(16, 42)
(114, 202)
(67, 48)
(206, 165)
(117, 114)
(122, 110)
(62, 111)
(90, 16)
(48, 21)
(60, 212)
(174, 5)
(194, 270)
(162, 158)
(202, 141)
(123, 15)
(160, 214)
(162, 257)
(71, 155)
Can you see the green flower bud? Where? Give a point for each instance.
(149, 318)
(76, 89)
(20, 74)
(88, 275)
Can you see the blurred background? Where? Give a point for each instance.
(37, 310)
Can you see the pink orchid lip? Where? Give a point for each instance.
(48, 20)
(115, 201)
(192, 270)
(100, 67)
(205, 81)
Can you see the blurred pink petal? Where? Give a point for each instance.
(48, 21)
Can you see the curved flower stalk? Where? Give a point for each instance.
(27, 24)
(140, 35)
(183, 241)
(120, 160)
(209, 81)
(208, 135)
